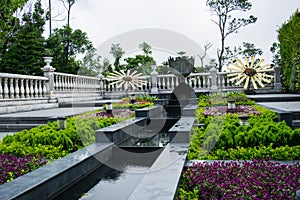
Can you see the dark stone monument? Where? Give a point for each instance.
(182, 67)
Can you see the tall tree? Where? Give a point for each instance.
(226, 23)
(66, 44)
(146, 48)
(207, 46)
(117, 52)
(247, 50)
(289, 44)
(90, 63)
(8, 22)
(141, 63)
(24, 55)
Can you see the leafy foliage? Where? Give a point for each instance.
(12, 166)
(226, 23)
(289, 43)
(51, 142)
(254, 179)
(66, 44)
(224, 137)
(26, 51)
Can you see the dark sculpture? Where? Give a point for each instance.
(181, 66)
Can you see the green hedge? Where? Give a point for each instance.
(52, 143)
(225, 138)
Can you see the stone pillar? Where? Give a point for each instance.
(48, 72)
(213, 73)
(101, 84)
(277, 79)
(154, 75)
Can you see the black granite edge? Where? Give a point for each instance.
(41, 176)
(163, 177)
(278, 111)
(282, 162)
(184, 124)
(120, 125)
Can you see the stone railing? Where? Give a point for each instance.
(205, 82)
(55, 85)
(15, 86)
(74, 83)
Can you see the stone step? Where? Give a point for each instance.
(274, 97)
(296, 115)
(23, 120)
(296, 124)
(26, 107)
(16, 127)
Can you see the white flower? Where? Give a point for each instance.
(254, 72)
(125, 78)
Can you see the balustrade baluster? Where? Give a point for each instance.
(58, 83)
(22, 89)
(63, 84)
(36, 89)
(31, 89)
(6, 91)
(72, 84)
(1, 90)
(17, 89)
(11, 88)
(44, 88)
(68, 84)
(40, 93)
(27, 90)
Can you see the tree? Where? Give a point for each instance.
(117, 52)
(68, 4)
(8, 22)
(207, 46)
(141, 63)
(226, 22)
(66, 45)
(247, 50)
(289, 44)
(24, 55)
(146, 48)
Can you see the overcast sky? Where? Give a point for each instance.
(104, 21)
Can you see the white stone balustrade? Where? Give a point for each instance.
(70, 83)
(56, 85)
(16, 86)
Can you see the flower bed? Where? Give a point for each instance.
(223, 138)
(43, 143)
(240, 180)
(12, 166)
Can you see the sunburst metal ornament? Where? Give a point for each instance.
(126, 78)
(246, 71)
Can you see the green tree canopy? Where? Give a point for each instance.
(226, 22)
(66, 44)
(24, 55)
(289, 44)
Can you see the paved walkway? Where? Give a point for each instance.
(60, 112)
(55, 112)
(289, 106)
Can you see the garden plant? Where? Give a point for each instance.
(259, 144)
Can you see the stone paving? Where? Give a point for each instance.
(53, 112)
(289, 106)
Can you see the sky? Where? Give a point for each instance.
(170, 26)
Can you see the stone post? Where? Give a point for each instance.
(101, 86)
(277, 78)
(213, 73)
(48, 72)
(154, 75)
